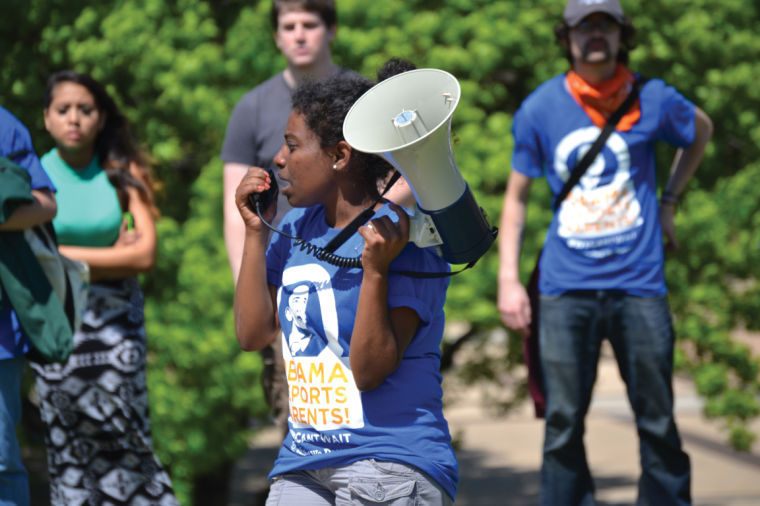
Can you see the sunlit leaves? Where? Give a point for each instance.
(177, 68)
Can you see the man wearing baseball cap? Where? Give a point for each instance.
(576, 10)
(601, 269)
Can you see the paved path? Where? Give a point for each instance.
(499, 456)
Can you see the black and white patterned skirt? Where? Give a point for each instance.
(95, 408)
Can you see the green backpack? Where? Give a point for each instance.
(47, 290)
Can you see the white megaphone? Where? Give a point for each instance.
(406, 119)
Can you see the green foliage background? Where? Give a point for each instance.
(177, 67)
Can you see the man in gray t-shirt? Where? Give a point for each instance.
(303, 32)
(254, 136)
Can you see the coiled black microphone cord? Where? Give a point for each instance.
(316, 251)
(326, 254)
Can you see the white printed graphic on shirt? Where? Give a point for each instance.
(600, 215)
(322, 391)
(296, 312)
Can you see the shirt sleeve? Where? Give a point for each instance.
(275, 260)
(424, 295)
(526, 157)
(279, 248)
(239, 140)
(17, 141)
(677, 120)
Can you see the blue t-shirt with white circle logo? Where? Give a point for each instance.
(606, 234)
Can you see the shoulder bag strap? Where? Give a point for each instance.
(599, 143)
(360, 220)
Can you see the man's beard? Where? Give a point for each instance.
(599, 54)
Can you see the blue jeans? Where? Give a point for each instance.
(572, 327)
(367, 481)
(14, 481)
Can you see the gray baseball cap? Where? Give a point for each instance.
(576, 10)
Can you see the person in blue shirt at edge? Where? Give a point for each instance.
(360, 345)
(602, 263)
(14, 344)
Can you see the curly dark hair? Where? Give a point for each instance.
(394, 66)
(324, 105)
(627, 42)
(115, 146)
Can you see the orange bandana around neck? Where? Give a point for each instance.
(600, 101)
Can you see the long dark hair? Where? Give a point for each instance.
(115, 146)
(324, 105)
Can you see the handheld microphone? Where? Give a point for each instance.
(261, 201)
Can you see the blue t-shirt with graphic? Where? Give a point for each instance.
(606, 234)
(14, 138)
(331, 422)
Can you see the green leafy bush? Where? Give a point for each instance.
(178, 67)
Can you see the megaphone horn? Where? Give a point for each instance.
(415, 137)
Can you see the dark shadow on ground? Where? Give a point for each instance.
(499, 486)
(35, 461)
(33, 453)
(248, 484)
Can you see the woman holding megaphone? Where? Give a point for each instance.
(360, 344)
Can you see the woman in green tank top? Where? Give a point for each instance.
(95, 407)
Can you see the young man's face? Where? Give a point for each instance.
(303, 37)
(596, 39)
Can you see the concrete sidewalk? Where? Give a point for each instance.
(499, 456)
